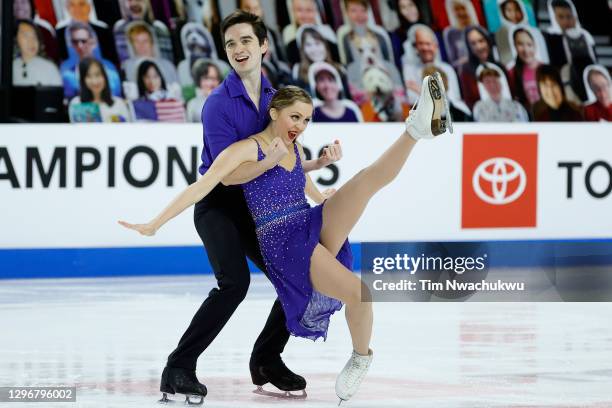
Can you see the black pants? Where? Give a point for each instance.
(227, 230)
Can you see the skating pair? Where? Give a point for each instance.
(428, 118)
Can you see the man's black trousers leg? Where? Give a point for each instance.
(228, 234)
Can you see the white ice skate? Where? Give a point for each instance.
(430, 116)
(352, 374)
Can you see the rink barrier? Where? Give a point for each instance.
(191, 260)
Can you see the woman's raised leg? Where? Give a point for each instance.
(342, 211)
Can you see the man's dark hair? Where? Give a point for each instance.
(243, 17)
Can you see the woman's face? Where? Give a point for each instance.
(291, 121)
(327, 86)
(210, 81)
(525, 48)
(601, 88)
(409, 10)
(27, 41)
(512, 12)
(94, 80)
(462, 15)
(551, 93)
(314, 48)
(152, 80)
(479, 45)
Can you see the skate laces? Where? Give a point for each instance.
(356, 371)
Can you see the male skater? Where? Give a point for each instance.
(235, 110)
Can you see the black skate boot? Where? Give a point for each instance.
(279, 376)
(181, 381)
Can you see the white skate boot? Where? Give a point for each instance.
(430, 116)
(352, 374)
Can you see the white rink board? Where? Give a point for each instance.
(424, 203)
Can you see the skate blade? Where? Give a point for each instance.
(441, 120)
(280, 394)
(165, 400)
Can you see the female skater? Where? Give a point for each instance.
(305, 249)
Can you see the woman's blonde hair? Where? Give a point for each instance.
(287, 96)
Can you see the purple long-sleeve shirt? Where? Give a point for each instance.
(229, 115)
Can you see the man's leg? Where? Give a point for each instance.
(223, 245)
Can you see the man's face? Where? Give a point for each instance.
(83, 43)
(252, 6)
(79, 10)
(493, 86)
(426, 46)
(242, 48)
(142, 44)
(357, 14)
(601, 88)
(565, 18)
(136, 8)
(304, 12)
(551, 93)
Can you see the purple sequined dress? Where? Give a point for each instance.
(288, 229)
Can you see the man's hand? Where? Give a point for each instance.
(275, 151)
(331, 154)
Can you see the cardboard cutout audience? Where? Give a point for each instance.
(140, 11)
(167, 56)
(24, 10)
(530, 52)
(599, 91)
(84, 44)
(330, 103)
(95, 102)
(480, 50)
(82, 12)
(359, 33)
(207, 76)
(156, 102)
(30, 68)
(461, 15)
(553, 105)
(496, 104)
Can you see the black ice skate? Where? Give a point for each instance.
(182, 381)
(279, 376)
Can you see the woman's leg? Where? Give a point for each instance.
(332, 279)
(342, 210)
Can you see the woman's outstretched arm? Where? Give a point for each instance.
(226, 162)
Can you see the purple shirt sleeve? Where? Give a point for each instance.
(219, 131)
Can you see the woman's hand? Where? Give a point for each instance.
(275, 151)
(331, 154)
(144, 229)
